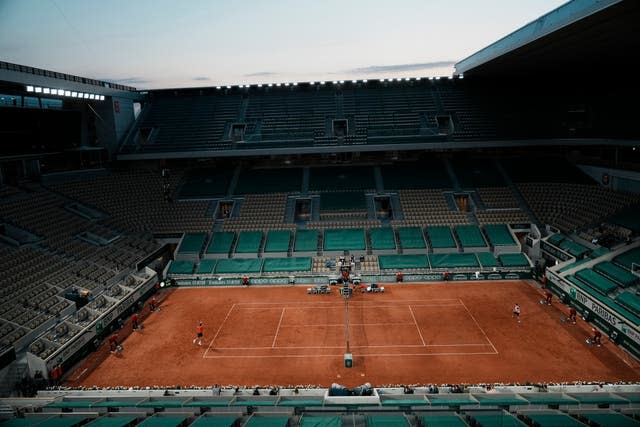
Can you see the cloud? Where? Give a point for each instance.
(374, 69)
(127, 80)
(201, 78)
(261, 74)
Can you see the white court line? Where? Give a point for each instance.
(275, 336)
(297, 325)
(352, 346)
(218, 331)
(478, 325)
(351, 302)
(415, 322)
(272, 356)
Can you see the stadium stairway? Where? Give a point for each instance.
(396, 207)
(339, 104)
(377, 175)
(243, 109)
(518, 195)
(305, 180)
(234, 182)
(290, 209)
(398, 241)
(452, 175)
(315, 207)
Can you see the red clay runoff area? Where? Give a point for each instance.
(461, 332)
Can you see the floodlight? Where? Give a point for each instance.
(341, 81)
(364, 81)
(228, 87)
(101, 97)
(287, 84)
(312, 83)
(354, 81)
(86, 96)
(259, 84)
(270, 85)
(162, 284)
(278, 84)
(218, 87)
(295, 83)
(91, 96)
(74, 94)
(461, 76)
(322, 82)
(38, 90)
(67, 93)
(29, 88)
(46, 90)
(335, 82)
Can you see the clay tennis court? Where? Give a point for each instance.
(418, 333)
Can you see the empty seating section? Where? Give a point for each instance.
(206, 266)
(497, 198)
(389, 111)
(499, 235)
(487, 260)
(514, 260)
(441, 237)
(278, 241)
(344, 178)
(442, 420)
(619, 274)
(570, 206)
(290, 115)
(181, 267)
(628, 258)
(499, 207)
(343, 201)
(563, 242)
(306, 241)
(220, 242)
(411, 238)
(477, 172)
(249, 242)
(453, 260)
(422, 207)
(138, 204)
(294, 264)
(403, 262)
(260, 212)
(205, 183)
(260, 181)
(382, 238)
(192, 243)
(428, 173)
(387, 421)
(470, 111)
(629, 300)
(470, 236)
(344, 239)
(238, 265)
(190, 122)
(544, 170)
(36, 278)
(596, 281)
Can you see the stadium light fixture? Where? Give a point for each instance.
(86, 96)
(29, 88)
(91, 96)
(259, 85)
(38, 90)
(46, 90)
(312, 83)
(74, 94)
(101, 97)
(341, 81)
(354, 81)
(228, 87)
(218, 87)
(295, 83)
(67, 93)
(335, 82)
(287, 84)
(364, 81)
(322, 82)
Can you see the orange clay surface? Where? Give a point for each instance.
(429, 333)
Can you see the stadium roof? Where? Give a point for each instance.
(586, 37)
